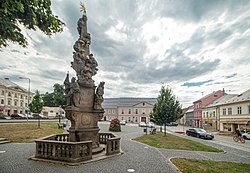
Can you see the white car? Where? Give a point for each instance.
(246, 135)
(150, 125)
(123, 122)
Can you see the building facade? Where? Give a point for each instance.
(235, 113)
(53, 112)
(13, 98)
(202, 103)
(132, 110)
(211, 113)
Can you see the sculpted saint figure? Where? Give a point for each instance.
(99, 96)
(73, 96)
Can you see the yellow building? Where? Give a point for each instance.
(13, 98)
(211, 113)
(235, 113)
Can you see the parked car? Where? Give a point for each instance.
(38, 115)
(17, 116)
(150, 125)
(199, 133)
(142, 124)
(172, 124)
(123, 122)
(246, 135)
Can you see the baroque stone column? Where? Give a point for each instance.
(84, 101)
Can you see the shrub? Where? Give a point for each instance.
(115, 125)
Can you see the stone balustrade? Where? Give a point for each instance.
(57, 147)
(61, 150)
(112, 143)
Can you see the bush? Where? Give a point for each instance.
(115, 125)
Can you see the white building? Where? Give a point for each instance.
(13, 98)
(129, 109)
(53, 112)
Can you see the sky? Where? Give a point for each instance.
(194, 47)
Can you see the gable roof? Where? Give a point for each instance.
(206, 96)
(126, 102)
(245, 96)
(8, 84)
(221, 100)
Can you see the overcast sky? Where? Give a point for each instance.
(193, 46)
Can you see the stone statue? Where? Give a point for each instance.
(82, 26)
(73, 94)
(99, 96)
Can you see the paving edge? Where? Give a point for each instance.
(62, 163)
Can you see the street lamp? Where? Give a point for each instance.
(28, 92)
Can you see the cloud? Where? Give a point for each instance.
(141, 45)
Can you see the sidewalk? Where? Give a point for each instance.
(137, 156)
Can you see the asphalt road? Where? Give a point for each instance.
(137, 157)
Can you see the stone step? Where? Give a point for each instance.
(4, 142)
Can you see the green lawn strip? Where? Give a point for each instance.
(208, 166)
(28, 132)
(169, 141)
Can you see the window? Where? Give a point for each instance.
(249, 109)
(129, 111)
(109, 111)
(113, 111)
(136, 111)
(143, 104)
(204, 114)
(122, 111)
(229, 111)
(224, 111)
(213, 113)
(2, 101)
(9, 94)
(9, 102)
(207, 114)
(21, 104)
(239, 110)
(16, 95)
(21, 96)
(2, 92)
(15, 103)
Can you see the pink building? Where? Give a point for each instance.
(202, 103)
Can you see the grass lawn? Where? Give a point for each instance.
(208, 166)
(169, 141)
(27, 132)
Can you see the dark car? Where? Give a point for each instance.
(172, 124)
(199, 133)
(16, 116)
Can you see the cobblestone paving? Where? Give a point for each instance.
(137, 156)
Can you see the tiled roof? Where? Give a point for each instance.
(245, 96)
(126, 102)
(7, 83)
(215, 92)
(221, 100)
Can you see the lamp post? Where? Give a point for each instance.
(28, 92)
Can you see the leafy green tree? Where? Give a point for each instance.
(36, 105)
(167, 108)
(48, 99)
(32, 14)
(56, 98)
(59, 96)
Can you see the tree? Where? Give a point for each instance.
(32, 14)
(167, 108)
(56, 98)
(36, 105)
